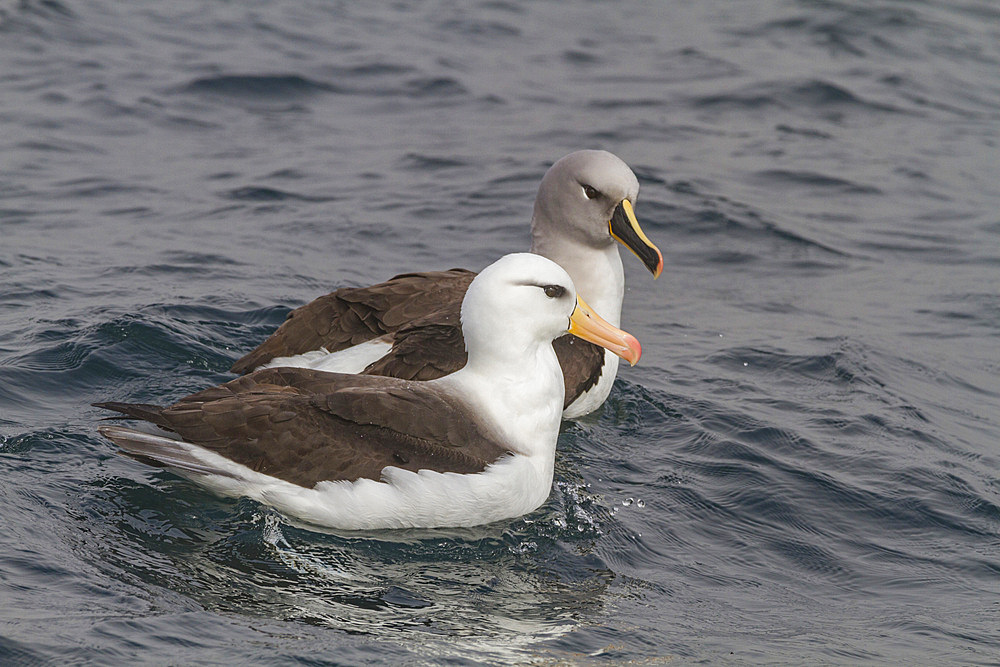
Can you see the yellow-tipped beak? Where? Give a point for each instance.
(626, 230)
(590, 326)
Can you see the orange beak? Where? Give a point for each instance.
(590, 326)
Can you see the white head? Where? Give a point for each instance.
(522, 302)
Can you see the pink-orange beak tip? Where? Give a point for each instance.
(634, 349)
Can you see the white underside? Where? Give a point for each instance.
(514, 485)
(350, 360)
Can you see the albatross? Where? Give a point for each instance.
(408, 327)
(371, 452)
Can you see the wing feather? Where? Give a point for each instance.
(349, 316)
(306, 426)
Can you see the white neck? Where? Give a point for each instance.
(522, 400)
(597, 272)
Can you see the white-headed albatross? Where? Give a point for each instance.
(408, 327)
(370, 452)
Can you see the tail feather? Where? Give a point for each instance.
(145, 411)
(160, 450)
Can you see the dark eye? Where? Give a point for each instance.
(554, 291)
(591, 192)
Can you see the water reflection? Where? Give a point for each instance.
(495, 592)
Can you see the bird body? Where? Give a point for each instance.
(367, 451)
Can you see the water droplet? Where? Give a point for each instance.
(640, 503)
(627, 502)
(746, 363)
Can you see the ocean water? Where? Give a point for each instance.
(803, 468)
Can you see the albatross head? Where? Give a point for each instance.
(524, 301)
(586, 198)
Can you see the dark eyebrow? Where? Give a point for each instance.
(561, 290)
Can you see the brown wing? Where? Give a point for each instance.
(429, 348)
(306, 426)
(350, 316)
(582, 363)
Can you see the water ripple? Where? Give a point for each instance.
(257, 86)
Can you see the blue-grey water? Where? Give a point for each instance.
(804, 467)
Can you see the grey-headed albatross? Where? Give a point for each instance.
(408, 327)
(370, 452)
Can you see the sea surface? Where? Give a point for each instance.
(803, 468)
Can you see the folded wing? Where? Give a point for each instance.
(306, 426)
(350, 316)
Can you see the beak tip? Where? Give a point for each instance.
(634, 348)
